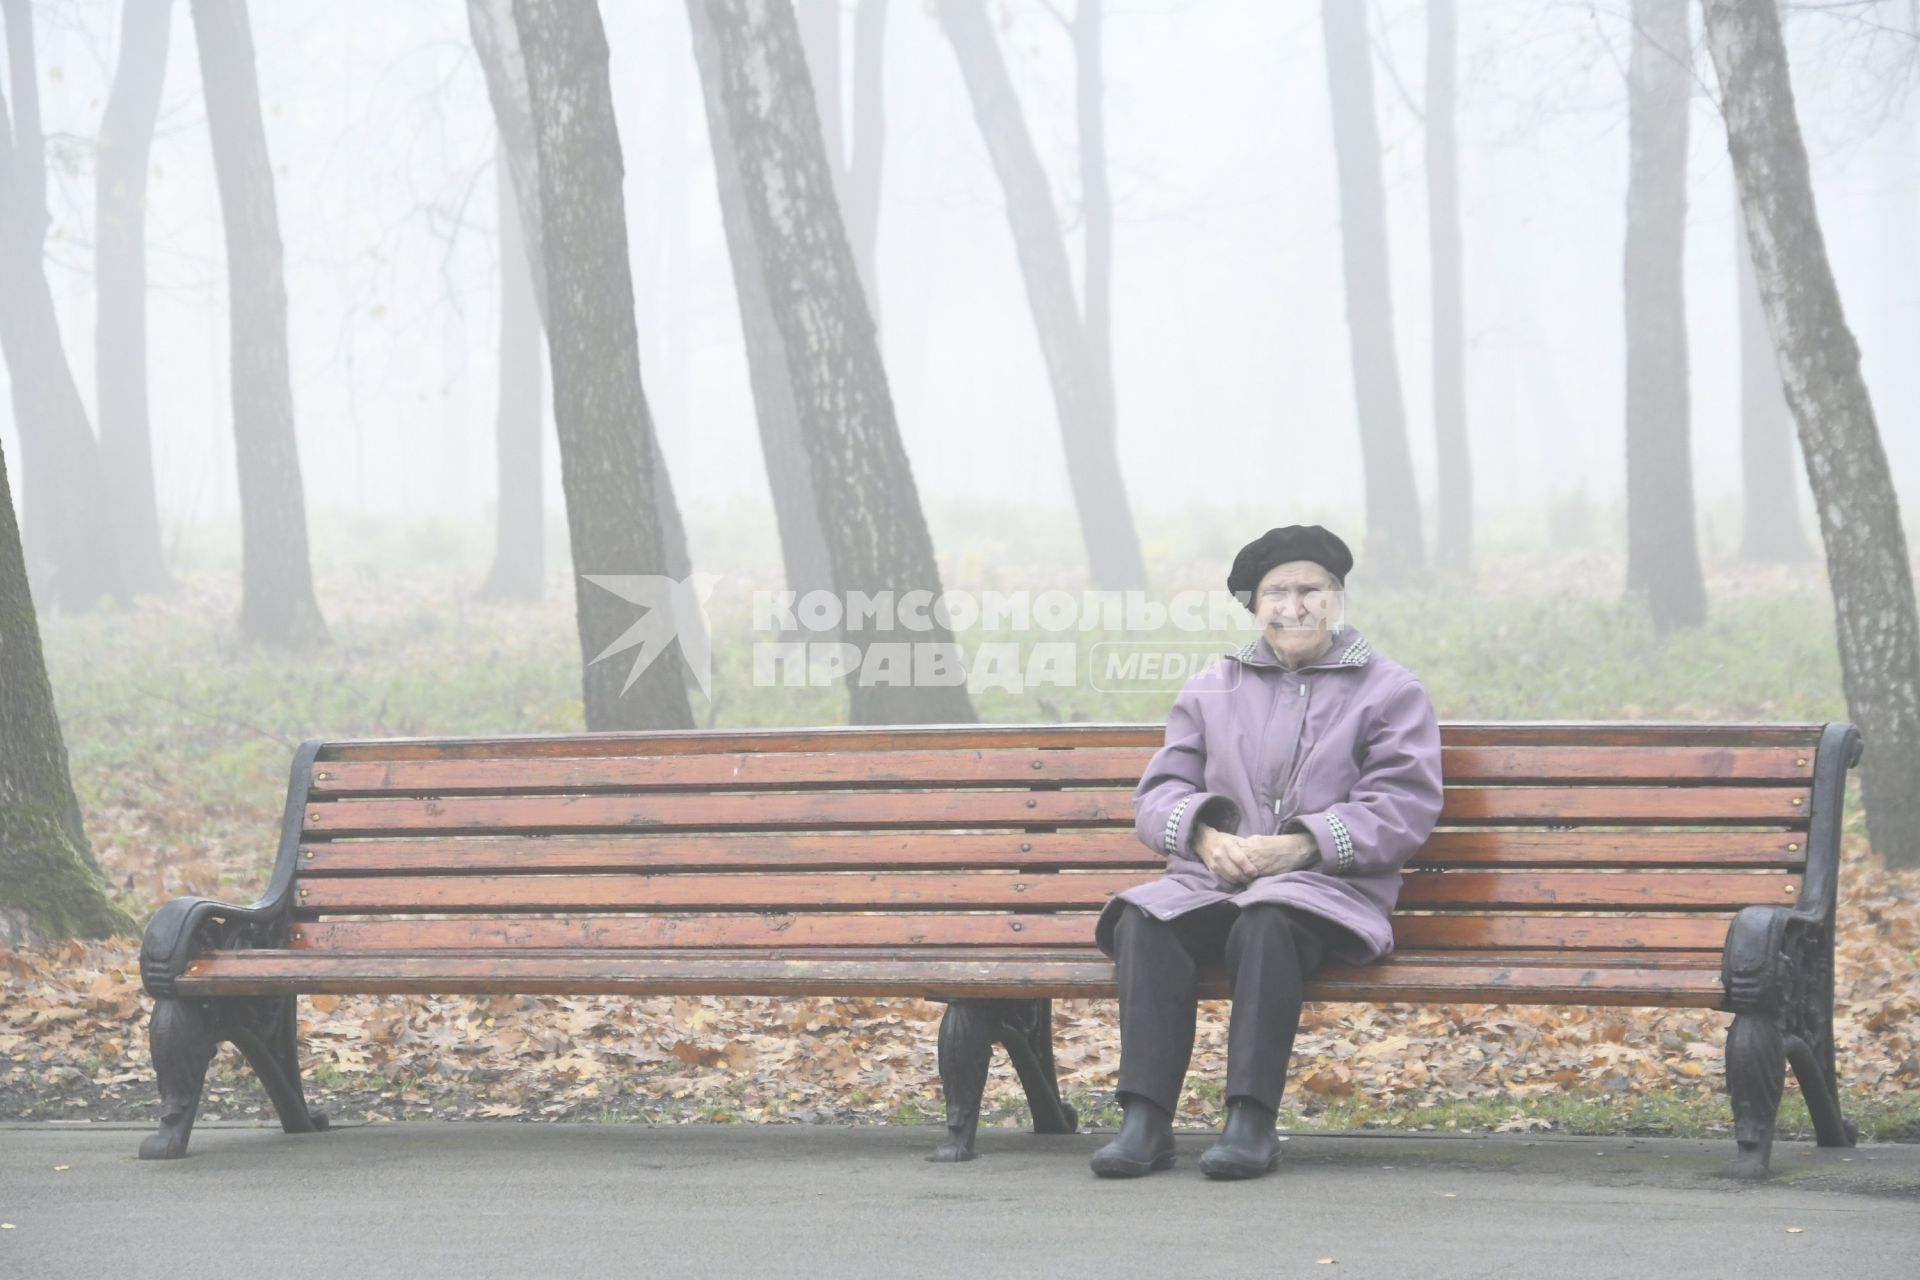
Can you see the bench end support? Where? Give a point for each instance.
(1778, 974)
(968, 1032)
(184, 1035)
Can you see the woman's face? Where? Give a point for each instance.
(1297, 603)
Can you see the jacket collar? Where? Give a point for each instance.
(1349, 649)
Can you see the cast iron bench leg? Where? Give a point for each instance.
(968, 1032)
(182, 1040)
(267, 1032)
(184, 1035)
(1756, 1077)
(1779, 975)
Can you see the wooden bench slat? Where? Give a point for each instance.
(932, 955)
(1507, 733)
(745, 770)
(1586, 891)
(276, 972)
(670, 742)
(1721, 806)
(1627, 733)
(793, 810)
(1597, 891)
(808, 929)
(1085, 766)
(1600, 849)
(1601, 764)
(1564, 934)
(747, 852)
(878, 891)
(1702, 932)
(740, 771)
(952, 850)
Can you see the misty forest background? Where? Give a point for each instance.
(342, 339)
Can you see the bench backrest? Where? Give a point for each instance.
(1564, 836)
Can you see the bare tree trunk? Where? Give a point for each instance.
(803, 542)
(1396, 543)
(120, 276)
(1453, 548)
(519, 552)
(869, 506)
(277, 604)
(860, 192)
(72, 551)
(1663, 553)
(50, 885)
(1770, 508)
(498, 45)
(609, 466)
(1082, 388)
(1820, 366)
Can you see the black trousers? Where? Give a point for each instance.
(1268, 950)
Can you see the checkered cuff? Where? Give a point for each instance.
(1169, 839)
(1342, 844)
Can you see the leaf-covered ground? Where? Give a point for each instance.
(180, 738)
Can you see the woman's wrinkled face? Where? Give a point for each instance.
(1298, 603)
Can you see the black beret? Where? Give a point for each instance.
(1278, 546)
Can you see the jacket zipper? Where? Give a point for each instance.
(1293, 761)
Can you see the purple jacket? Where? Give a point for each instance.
(1346, 748)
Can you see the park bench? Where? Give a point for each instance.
(1653, 865)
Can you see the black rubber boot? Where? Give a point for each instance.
(1144, 1144)
(1248, 1146)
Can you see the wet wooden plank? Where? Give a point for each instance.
(707, 741)
(1478, 934)
(745, 770)
(1612, 805)
(776, 811)
(933, 956)
(1083, 849)
(784, 930)
(1596, 849)
(1663, 765)
(989, 890)
(1773, 806)
(1627, 733)
(745, 852)
(1622, 891)
(1516, 932)
(1082, 766)
(1510, 733)
(270, 972)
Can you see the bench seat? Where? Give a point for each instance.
(1651, 865)
(1654, 979)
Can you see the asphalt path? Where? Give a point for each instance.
(519, 1200)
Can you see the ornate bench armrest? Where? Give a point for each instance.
(1772, 954)
(188, 926)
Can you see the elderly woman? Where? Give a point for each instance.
(1298, 776)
